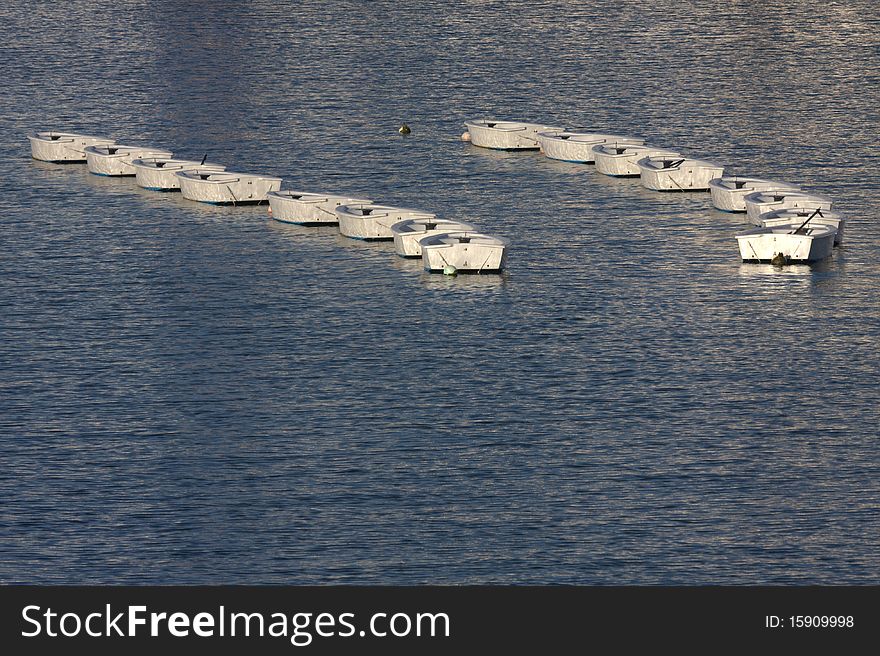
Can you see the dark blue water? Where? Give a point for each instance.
(194, 394)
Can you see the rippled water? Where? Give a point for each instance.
(195, 394)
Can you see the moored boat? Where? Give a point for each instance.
(620, 159)
(115, 160)
(761, 202)
(667, 173)
(506, 135)
(728, 192)
(159, 173)
(786, 244)
(577, 147)
(306, 208)
(409, 233)
(63, 147)
(797, 215)
(464, 252)
(226, 187)
(372, 222)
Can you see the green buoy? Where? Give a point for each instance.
(404, 129)
(779, 260)
(449, 270)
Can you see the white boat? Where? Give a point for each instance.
(620, 159)
(308, 208)
(63, 147)
(761, 202)
(409, 233)
(797, 216)
(116, 160)
(506, 135)
(577, 147)
(372, 222)
(226, 187)
(464, 252)
(728, 191)
(666, 173)
(786, 244)
(159, 173)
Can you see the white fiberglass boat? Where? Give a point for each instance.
(620, 159)
(797, 216)
(63, 147)
(761, 202)
(159, 173)
(786, 244)
(409, 233)
(372, 222)
(665, 173)
(308, 208)
(571, 146)
(226, 187)
(506, 135)
(115, 160)
(464, 252)
(728, 192)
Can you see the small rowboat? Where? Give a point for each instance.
(464, 252)
(372, 222)
(578, 146)
(506, 135)
(761, 202)
(409, 233)
(787, 244)
(115, 160)
(307, 208)
(620, 159)
(63, 147)
(797, 215)
(728, 192)
(666, 173)
(159, 173)
(225, 187)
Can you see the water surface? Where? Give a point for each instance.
(197, 394)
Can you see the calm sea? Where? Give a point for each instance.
(197, 394)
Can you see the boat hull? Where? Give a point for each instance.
(729, 198)
(375, 226)
(479, 259)
(624, 165)
(681, 178)
(244, 190)
(754, 210)
(763, 246)
(118, 164)
(464, 253)
(578, 150)
(64, 148)
(408, 243)
(779, 218)
(506, 135)
(308, 209)
(165, 179)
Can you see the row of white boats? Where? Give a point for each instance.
(444, 245)
(791, 225)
